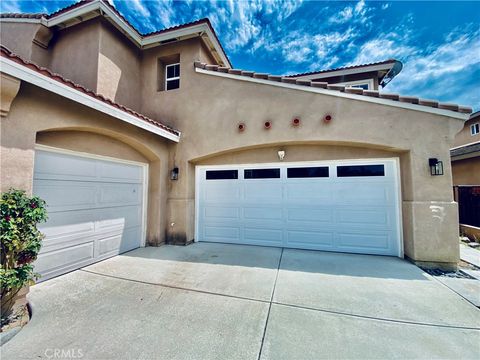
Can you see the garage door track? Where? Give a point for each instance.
(216, 301)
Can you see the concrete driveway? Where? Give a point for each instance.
(215, 301)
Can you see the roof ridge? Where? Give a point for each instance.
(6, 52)
(336, 87)
(344, 68)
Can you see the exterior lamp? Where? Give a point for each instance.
(436, 166)
(174, 173)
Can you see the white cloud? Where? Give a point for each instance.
(10, 6)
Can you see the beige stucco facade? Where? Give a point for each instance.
(207, 109)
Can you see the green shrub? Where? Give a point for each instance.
(20, 242)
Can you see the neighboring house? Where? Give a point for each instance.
(465, 156)
(147, 144)
(466, 153)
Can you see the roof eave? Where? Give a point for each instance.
(23, 73)
(94, 9)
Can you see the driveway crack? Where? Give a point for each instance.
(270, 305)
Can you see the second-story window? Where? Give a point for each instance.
(172, 76)
(474, 129)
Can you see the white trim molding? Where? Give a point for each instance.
(335, 93)
(22, 72)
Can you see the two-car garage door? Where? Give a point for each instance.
(346, 206)
(95, 209)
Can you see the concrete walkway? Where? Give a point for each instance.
(470, 255)
(214, 301)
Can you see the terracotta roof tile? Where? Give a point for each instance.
(5, 52)
(107, 3)
(342, 88)
(389, 61)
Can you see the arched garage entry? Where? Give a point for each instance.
(96, 188)
(332, 198)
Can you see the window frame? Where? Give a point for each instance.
(368, 82)
(475, 129)
(167, 79)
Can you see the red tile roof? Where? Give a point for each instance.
(6, 53)
(144, 35)
(341, 88)
(386, 62)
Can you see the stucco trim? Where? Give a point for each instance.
(448, 113)
(28, 75)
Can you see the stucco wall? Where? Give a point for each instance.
(74, 53)
(37, 115)
(118, 76)
(18, 37)
(466, 172)
(208, 115)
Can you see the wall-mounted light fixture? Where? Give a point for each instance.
(174, 173)
(281, 154)
(436, 166)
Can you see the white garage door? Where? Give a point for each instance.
(346, 206)
(95, 209)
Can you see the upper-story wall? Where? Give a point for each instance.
(465, 135)
(118, 73)
(158, 102)
(25, 39)
(74, 53)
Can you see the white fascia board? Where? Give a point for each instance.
(345, 72)
(465, 145)
(335, 93)
(28, 75)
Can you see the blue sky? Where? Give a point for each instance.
(438, 42)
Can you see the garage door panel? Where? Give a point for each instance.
(362, 216)
(88, 219)
(218, 191)
(221, 212)
(271, 236)
(262, 213)
(50, 165)
(321, 214)
(355, 240)
(313, 206)
(213, 232)
(66, 195)
(319, 240)
(303, 191)
(114, 172)
(69, 256)
(119, 194)
(263, 190)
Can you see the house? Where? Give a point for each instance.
(141, 139)
(465, 157)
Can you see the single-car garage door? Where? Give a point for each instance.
(95, 209)
(346, 206)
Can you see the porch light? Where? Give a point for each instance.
(281, 154)
(436, 166)
(174, 173)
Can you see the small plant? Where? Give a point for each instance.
(20, 243)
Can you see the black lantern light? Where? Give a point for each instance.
(174, 173)
(436, 166)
